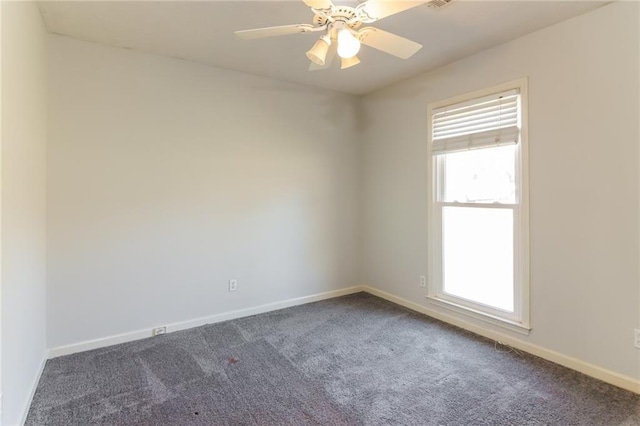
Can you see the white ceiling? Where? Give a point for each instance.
(202, 31)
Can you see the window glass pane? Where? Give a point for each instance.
(477, 251)
(481, 176)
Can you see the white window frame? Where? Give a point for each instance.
(518, 320)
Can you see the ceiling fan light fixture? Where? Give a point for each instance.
(318, 52)
(348, 45)
(342, 31)
(349, 62)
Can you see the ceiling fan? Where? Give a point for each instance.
(342, 32)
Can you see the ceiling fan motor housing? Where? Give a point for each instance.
(344, 14)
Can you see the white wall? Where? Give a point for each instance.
(24, 129)
(167, 178)
(583, 136)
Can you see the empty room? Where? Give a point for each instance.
(320, 212)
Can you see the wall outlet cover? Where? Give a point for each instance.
(233, 285)
(159, 330)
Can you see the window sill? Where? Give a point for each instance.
(482, 316)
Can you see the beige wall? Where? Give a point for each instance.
(583, 148)
(24, 130)
(167, 178)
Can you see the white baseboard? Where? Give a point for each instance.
(34, 386)
(183, 325)
(600, 373)
(592, 370)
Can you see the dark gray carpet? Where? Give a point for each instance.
(347, 361)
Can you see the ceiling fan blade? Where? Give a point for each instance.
(319, 4)
(378, 9)
(331, 54)
(274, 31)
(388, 43)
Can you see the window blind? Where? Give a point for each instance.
(480, 123)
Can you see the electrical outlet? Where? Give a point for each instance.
(636, 338)
(233, 285)
(159, 330)
(423, 281)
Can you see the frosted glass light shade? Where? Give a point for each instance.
(318, 52)
(349, 62)
(348, 45)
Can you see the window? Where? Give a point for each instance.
(478, 261)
